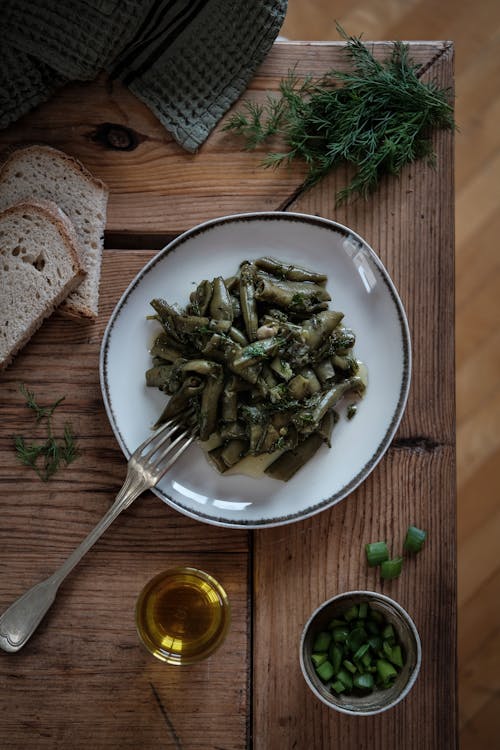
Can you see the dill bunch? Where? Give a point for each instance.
(378, 120)
(45, 458)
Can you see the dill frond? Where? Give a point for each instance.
(376, 117)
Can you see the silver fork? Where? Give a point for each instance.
(146, 466)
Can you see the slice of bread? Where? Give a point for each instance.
(39, 171)
(39, 266)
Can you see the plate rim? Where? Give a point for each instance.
(383, 445)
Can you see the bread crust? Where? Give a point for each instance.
(58, 218)
(8, 164)
(11, 153)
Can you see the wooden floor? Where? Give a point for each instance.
(474, 27)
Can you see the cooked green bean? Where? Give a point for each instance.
(292, 295)
(263, 361)
(247, 300)
(292, 272)
(200, 298)
(221, 307)
(214, 384)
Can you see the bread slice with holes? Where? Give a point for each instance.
(39, 267)
(42, 172)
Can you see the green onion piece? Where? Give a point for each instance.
(375, 642)
(335, 653)
(340, 634)
(361, 651)
(318, 659)
(396, 656)
(387, 649)
(385, 670)
(356, 639)
(322, 642)
(366, 660)
(338, 686)
(376, 553)
(363, 611)
(351, 613)
(363, 681)
(350, 666)
(325, 671)
(391, 568)
(415, 539)
(346, 678)
(388, 633)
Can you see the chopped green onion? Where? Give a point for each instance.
(362, 610)
(351, 613)
(325, 671)
(338, 686)
(391, 568)
(340, 634)
(350, 666)
(360, 653)
(397, 656)
(363, 681)
(322, 642)
(415, 539)
(376, 553)
(345, 678)
(386, 671)
(318, 659)
(335, 654)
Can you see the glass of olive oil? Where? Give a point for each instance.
(182, 615)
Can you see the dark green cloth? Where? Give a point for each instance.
(188, 60)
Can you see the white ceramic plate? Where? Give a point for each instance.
(359, 286)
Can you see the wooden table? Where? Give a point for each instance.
(84, 679)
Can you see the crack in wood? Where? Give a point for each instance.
(168, 721)
(416, 443)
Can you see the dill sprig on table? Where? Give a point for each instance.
(45, 458)
(379, 120)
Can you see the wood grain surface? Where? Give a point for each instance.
(83, 678)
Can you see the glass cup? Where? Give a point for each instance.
(182, 615)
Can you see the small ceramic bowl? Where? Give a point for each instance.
(380, 699)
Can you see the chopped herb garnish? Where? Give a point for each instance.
(45, 457)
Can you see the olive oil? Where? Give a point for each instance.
(182, 615)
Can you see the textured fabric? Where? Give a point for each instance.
(78, 38)
(188, 60)
(24, 83)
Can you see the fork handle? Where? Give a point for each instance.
(22, 618)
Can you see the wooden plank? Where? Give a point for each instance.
(84, 678)
(410, 225)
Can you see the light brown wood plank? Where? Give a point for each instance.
(482, 729)
(478, 621)
(94, 684)
(480, 679)
(478, 499)
(334, 542)
(475, 30)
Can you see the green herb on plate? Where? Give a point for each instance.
(46, 457)
(378, 121)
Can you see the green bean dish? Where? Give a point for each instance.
(263, 362)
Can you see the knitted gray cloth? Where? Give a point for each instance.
(188, 60)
